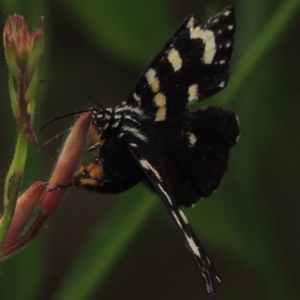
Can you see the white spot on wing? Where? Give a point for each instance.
(166, 195)
(208, 38)
(222, 84)
(193, 246)
(230, 27)
(175, 59)
(227, 13)
(176, 219)
(192, 139)
(190, 23)
(183, 216)
(145, 164)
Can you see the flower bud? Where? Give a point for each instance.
(67, 163)
(24, 56)
(24, 208)
(23, 50)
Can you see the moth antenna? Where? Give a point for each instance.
(54, 138)
(73, 89)
(61, 117)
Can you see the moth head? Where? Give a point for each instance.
(101, 118)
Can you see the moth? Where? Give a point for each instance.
(154, 136)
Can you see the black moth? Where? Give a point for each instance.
(154, 137)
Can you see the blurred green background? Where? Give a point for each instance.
(126, 246)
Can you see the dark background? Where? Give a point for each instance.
(250, 227)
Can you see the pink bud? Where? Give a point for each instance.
(17, 44)
(67, 163)
(24, 207)
(24, 56)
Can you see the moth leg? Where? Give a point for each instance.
(92, 175)
(81, 171)
(85, 175)
(94, 147)
(96, 137)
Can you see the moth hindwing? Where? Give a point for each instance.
(153, 137)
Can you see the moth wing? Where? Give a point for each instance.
(156, 178)
(192, 66)
(192, 152)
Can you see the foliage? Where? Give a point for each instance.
(249, 227)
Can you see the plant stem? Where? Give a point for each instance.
(13, 182)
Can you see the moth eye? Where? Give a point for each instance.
(101, 122)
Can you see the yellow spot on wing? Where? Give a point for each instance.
(193, 93)
(137, 98)
(152, 80)
(175, 59)
(160, 101)
(208, 38)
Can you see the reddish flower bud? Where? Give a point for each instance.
(24, 56)
(21, 48)
(67, 163)
(24, 207)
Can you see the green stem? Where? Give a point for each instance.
(13, 182)
(13, 96)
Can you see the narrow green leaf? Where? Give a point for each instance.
(107, 246)
(124, 28)
(21, 276)
(266, 40)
